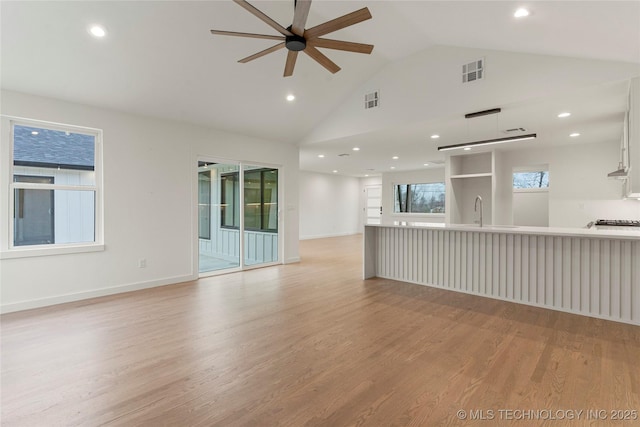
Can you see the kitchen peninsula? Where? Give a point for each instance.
(584, 271)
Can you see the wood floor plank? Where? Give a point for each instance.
(308, 344)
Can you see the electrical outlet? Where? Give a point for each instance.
(142, 263)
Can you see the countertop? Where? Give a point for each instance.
(632, 233)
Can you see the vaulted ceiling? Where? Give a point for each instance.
(159, 59)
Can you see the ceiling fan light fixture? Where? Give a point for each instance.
(296, 38)
(295, 43)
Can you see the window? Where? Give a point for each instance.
(260, 200)
(419, 198)
(536, 179)
(54, 190)
(34, 212)
(204, 205)
(230, 200)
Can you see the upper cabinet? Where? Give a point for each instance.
(633, 147)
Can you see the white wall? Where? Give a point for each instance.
(329, 205)
(422, 176)
(531, 208)
(150, 195)
(579, 190)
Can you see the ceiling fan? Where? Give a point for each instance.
(298, 39)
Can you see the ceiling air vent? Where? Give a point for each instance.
(372, 100)
(473, 71)
(343, 155)
(514, 130)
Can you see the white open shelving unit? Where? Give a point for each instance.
(466, 176)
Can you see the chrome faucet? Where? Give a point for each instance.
(475, 208)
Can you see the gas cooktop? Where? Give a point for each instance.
(619, 222)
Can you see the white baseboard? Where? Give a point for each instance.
(77, 296)
(292, 260)
(324, 236)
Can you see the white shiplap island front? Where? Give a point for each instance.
(584, 271)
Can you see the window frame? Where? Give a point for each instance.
(236, 177)
(235, 193)
(7, 192)
(531, 169)
(206, 236)
(394, 187)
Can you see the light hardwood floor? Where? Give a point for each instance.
(311, 344)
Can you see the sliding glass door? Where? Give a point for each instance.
(260, 215)
(234, 235)
(218, 216)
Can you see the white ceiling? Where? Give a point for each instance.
(160, 60)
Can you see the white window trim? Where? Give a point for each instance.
(531, 169)
(413, 214)
(418, 214)
(531, 190)
(7, 250)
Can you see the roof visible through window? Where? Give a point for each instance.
(52, 148)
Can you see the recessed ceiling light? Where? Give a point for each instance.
(563, 115)
(356, 148)
(335, 171)
(393, 167)
(321, 156)
(290, 97)
(367, 175)
(435, 136)
(426, 164)
(395, 157)
(467, 148)
(573, 135)
(34, 132)
(97, 31)
(521, 13)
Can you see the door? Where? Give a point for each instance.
(261, 218)
(373, 204)
(218, 216)
(238, 216)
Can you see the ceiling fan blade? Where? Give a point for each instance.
(300, 17)
(338, 23)
(262, 53)
(255, 36)
(342, 45)
(264, 18)
(291, 63)
(321, 59)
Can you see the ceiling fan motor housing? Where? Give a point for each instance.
(295, 43)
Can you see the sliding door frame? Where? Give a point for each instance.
(194, 203)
